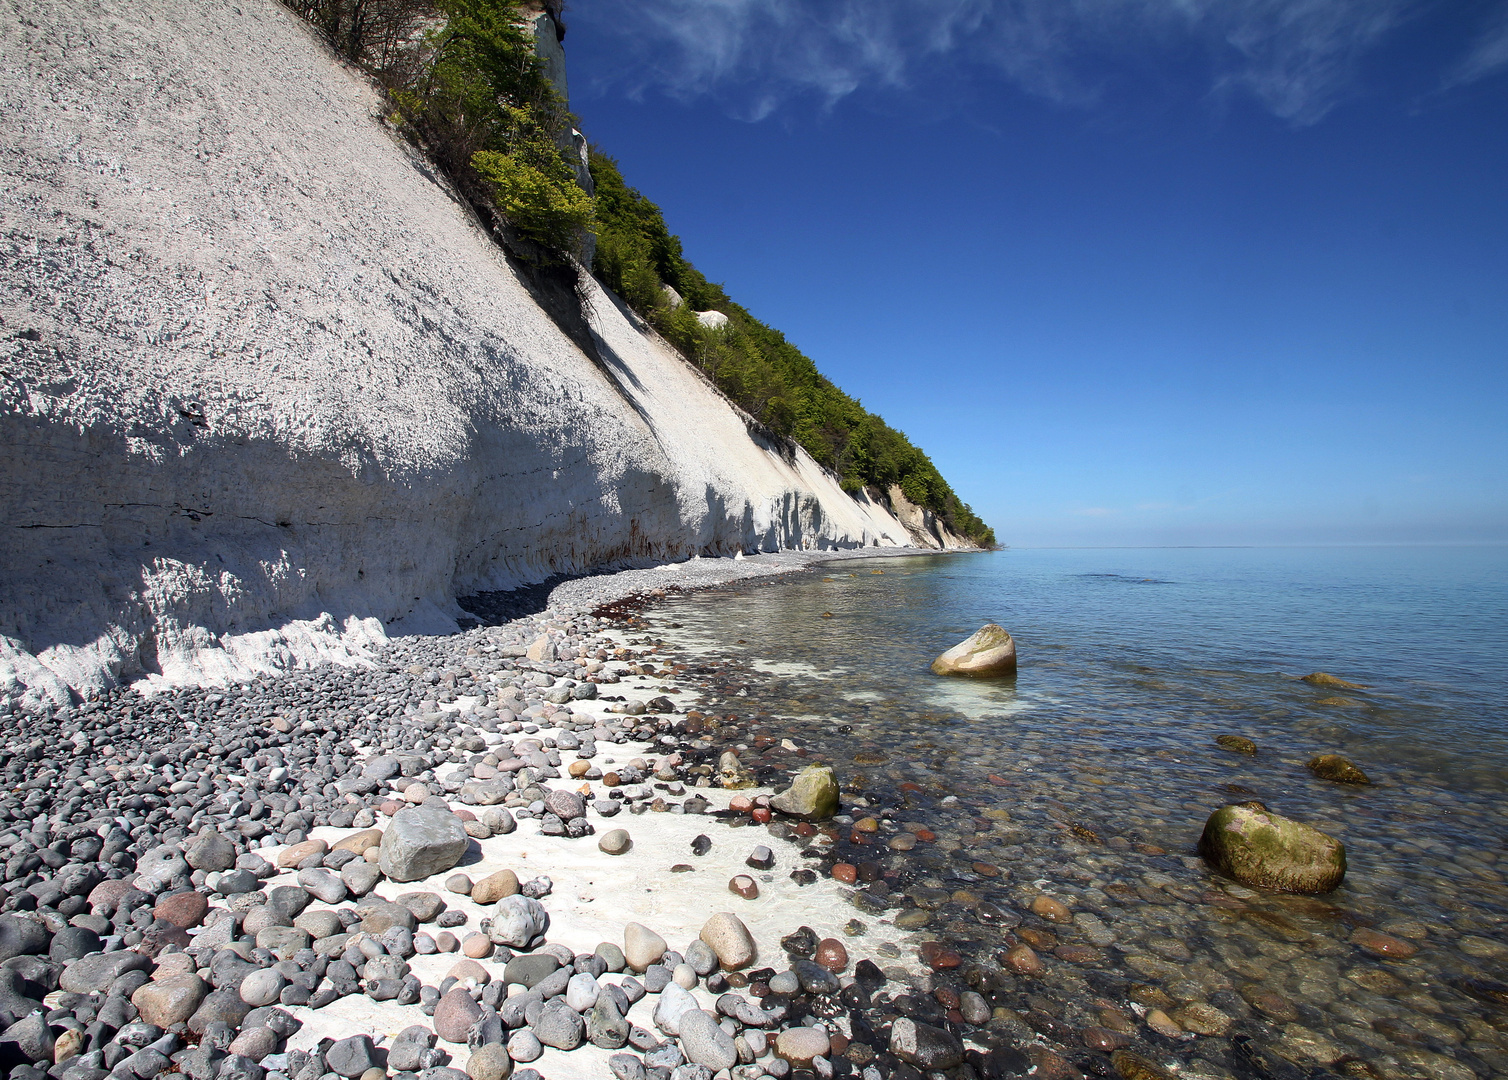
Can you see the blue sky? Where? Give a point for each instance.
(1131, 271)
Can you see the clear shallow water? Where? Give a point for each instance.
(1090, 775)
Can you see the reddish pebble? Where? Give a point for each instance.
(838, 1043)
(806, 828)
(390, 807)
(938, 957)
(744, 886)
(1380, 944)
(1052, 909)
(909, 786)
(1023, 961)
(761, 814)
(954, 1016)
(1078, 954)
(739, 804)
(182, 910)
(858, 838)
(464, 814)
(832, 955)
(1051, 1066)
(847, 873)
(926, 836)
(945, 997)
(984, 869)
(610, 779)
(999, 781)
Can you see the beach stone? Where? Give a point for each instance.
(319, 924)
(729, 939)
(477, 946)
(71, 943)
(222, 1006)
(744, 886)
(421, 841)
(254, 1042)
(1051, 909)
(426, 906)
(359, 842)
(455, 1014)
(262, 987)
(360, 876)
(1380, 944)
(378, 916)
(488, 1062)
(210, 852)
(1238, 744)
(626, 1067)
(566, 805)
(517, 921)
(494, 887)
(351, 1057)
(704, 1042)
(1023, 960)
(294, 854)
(673, 1002)
(182, 910)
(21, 936)
(761, 858)
(524, 1045)
(459, 884)
(701, 958)
(642, 947)
(1339, 769)
(1259, 848)
(94, 973)
(611, 955)
(615, 842)
(408, 1047)
(799, 1045)
(322, 885)
(466, 968)
(170, 1000)
(1321, 678)
(813, 794)
(581, 991)
(559, 1025)
(988, 652)
(832, 955)
(530, 969)
(926, 1047)
(606, 1026)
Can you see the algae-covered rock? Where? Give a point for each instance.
(813, 795)
(989, 651)
(1320, 678)
(1334, 767)
(1257, 847)
(1238, 744)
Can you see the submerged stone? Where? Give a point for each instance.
(990, 651)
(1257, 847)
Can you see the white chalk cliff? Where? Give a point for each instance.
(268, 390)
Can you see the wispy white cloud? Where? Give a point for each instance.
(1299, 58)
(1488, 53)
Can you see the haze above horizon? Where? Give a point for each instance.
(1132, 272)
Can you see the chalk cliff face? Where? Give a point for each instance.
(267, 390)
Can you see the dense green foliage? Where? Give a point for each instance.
(637, 256)
(464, 80)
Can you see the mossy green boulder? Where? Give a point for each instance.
(813, 795)
(1341, 770)
(1237, 744)
(1250, 843)
(987, 653)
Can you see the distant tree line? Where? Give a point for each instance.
(463, 80)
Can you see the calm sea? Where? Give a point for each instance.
(1090, 775)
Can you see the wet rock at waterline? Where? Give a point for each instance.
(813, 795)
(1257, 847)
(1236, 744)
(989, 652)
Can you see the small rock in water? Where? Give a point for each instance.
(701, 845)
(744, 886)
(1239, 744)
(761, 858)
(812, 796)
(1339, 769)
(1320, 678)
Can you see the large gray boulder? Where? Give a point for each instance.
(1250, 843)
(421, 841)
(989, 652)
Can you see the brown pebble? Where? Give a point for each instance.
(832, 955)
(1023, 961)
(866, 825)
(182, 910)
(1379, 944)
(294, 854)
(902, 842)
(1100, 1038)
(984, 869)
(740, 804)
(847, 873)
(1051, 909)
(578, 769)
(1037, 939)
(946, 997)
(744, 886)
(1163, 1024)
(1270, 1004)
(1050, 1065)
(1078, 954)
(462, 970)
(610, 779)
(445, 941)
(366, 838)
(1133, 1066)
(937, 956)
(477, 946)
